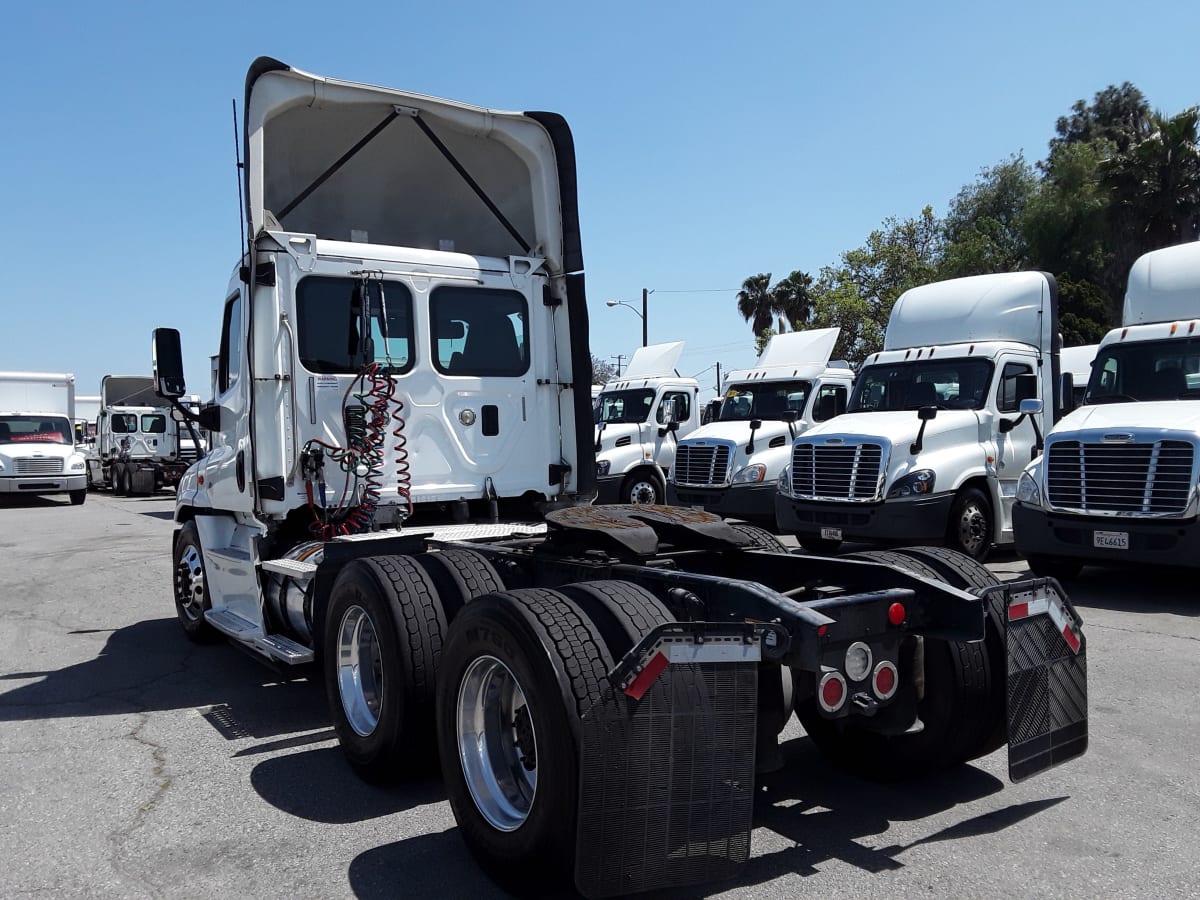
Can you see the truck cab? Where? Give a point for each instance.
(1077, 362)
(641, 417)
(730, 466)
(933, 440)
(1117, 484)
(137, 445)
(38, 454)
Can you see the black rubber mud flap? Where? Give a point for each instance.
(1047, 678)
(666, 774)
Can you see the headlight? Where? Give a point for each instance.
(784, 485)
(751, 474)
(1028, 491)
(602, 467)
(914, 484)
(77, 466)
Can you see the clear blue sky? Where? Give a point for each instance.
(714, 141)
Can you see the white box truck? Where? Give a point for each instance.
(37, 436)
(933, 441)
(641, 417)
(599, 687)
(730, 466)
(1117, 483)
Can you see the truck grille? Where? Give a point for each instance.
(699, 465)
(1148, 478)
(39, 466)
(836, 472)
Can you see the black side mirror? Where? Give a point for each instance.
(925, 413)
(168, 363)
(1067, 392)
(209, 418)
(755, 424)
(1026, 387)
(789, 416)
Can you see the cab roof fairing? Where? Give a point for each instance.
(1164, 286)
(523, 162)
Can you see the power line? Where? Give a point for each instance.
(700, 291)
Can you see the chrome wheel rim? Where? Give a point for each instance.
(359, 671)
(972, 528)
(189, 584)
(497, 743)
(643, 492)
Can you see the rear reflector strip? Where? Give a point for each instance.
(1047, 603)
(638, 687)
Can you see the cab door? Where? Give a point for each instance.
(227, 468)
(1014, 445)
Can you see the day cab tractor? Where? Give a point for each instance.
(397, 496)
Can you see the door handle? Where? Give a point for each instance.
(240, 471)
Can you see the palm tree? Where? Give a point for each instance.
(792, 300)
(756, 302)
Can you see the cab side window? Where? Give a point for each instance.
(230, 361)
(1006, 391)
(830, 402)
(683, 406)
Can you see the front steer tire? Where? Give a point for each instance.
(382, 638)
(191, 586)
(760, 538)
(548, 647)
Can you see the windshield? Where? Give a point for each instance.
(35, 430)
(946, 384)
(764, 400)
(626, 406)
(1149, 370)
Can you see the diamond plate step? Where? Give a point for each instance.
(284, 649)
(294, 567)
(229, 622)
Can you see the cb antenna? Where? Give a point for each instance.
(237, 156)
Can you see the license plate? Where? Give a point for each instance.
(831, 534)
(1111, 540)
(699, 506)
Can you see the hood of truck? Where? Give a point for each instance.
(612, 433)
(1170, 415)
(951, 427)
(367, 164)
(739, 433)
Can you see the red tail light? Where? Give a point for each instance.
(886, 680)
(831, 693)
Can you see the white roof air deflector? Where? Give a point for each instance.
(129, 390)
(657, 360)
(1013, 306)
(1164, 286)
(796, 348)
(354, 162)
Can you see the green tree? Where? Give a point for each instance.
(602, 372)
(1117, 116)
(792, 299)
(983, 230)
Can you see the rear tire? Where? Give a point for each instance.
(623, 613)
(127, 481)
(383, 634)
(532, 655)
(460, 575)
(116, 477)
(760, 538)
(957, 712)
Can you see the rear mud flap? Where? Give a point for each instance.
(666, 774)
(143, 481)
(1047, 678)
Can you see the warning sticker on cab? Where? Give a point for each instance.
(327, 382)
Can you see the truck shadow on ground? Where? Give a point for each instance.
(821, 813)
(150, 666)
(1146, 589)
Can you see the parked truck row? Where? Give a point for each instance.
(405, 345)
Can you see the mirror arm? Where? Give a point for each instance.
(188, 418)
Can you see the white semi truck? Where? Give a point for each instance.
(1117, 484)
(1077, 362)
(730, 466)
(933, 441)
(642, 416)
(138, 447)
(405, 341)
(37, 436)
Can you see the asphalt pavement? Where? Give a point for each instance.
(137, 764)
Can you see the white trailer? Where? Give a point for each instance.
(642, 416)
(1117, 484)
(408, 344)
(933, 441)
(37, 436)
(730, 466)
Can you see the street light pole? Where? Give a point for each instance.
(645, 327)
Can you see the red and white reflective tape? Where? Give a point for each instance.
(1048, 604)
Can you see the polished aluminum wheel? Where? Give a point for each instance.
(496, 743)
(189, 584)
(359, 671)
(974, 530)
(643, 491)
